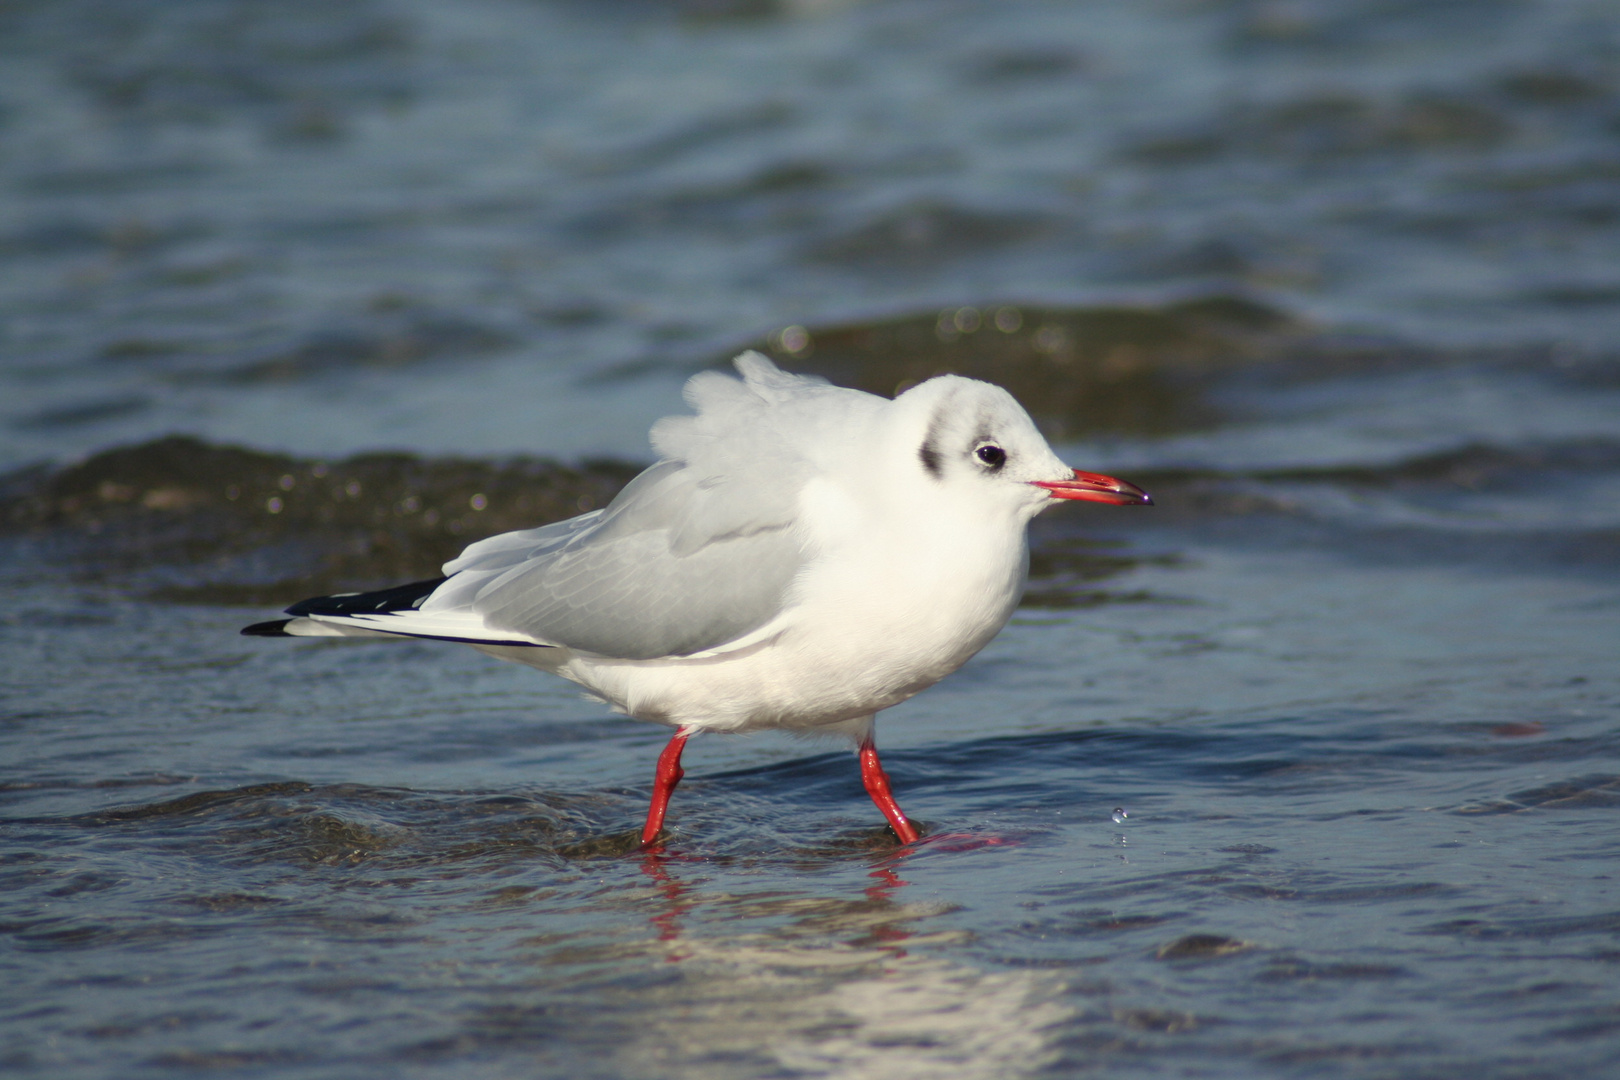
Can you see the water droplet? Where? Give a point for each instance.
(477, 502)
(1120, 815)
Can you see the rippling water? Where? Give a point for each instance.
(303, 297)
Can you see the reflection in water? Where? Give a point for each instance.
(668, 921)
(678, 900)
(881, 892)
(830, 991)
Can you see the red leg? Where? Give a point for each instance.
(669, 774)
(877, 786)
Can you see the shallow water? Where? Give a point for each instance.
(1333, 280)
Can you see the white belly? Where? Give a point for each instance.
(866, 639)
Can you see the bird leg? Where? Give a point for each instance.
(669, 774)
(877, 786)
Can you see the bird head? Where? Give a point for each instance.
(973, 437)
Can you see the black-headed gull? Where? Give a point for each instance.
(800, 557)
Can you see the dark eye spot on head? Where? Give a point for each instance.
(930, 459)
(992, 455)
(928, 452)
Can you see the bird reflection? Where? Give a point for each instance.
(655, 864)
(880, 920)
(888, 935)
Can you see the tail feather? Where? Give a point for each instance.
(395, 612)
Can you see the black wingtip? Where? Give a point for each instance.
(276, 628)
(399, 598)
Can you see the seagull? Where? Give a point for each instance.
(800, 557)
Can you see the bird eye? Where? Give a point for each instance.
(992, 455)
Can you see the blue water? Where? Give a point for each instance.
(1353, 680)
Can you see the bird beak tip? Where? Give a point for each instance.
(1095, 487)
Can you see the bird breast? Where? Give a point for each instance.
(876, 615)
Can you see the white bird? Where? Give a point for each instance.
(800, 557)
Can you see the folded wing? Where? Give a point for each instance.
(698, 551)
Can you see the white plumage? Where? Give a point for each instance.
(800, 557)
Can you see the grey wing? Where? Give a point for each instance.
(697, 551)
(631, 598)
(630, 581)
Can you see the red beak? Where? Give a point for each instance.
(1095, 487)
